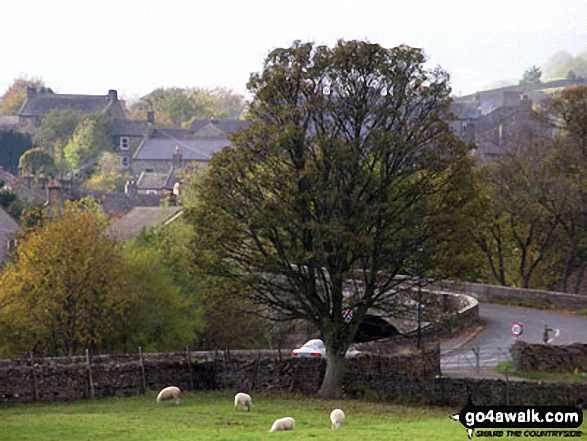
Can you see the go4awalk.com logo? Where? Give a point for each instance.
(520, 421)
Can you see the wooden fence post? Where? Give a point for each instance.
(90, 373)
(189, 359)
(35, 390)
(143, 378)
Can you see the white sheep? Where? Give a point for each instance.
(337, 418)
(287, 423)
(169, 393)
(243, 400)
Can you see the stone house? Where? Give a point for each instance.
(36, 106)
(497, 123)
(164, 152)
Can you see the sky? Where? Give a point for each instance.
(91, 46)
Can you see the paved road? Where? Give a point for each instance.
(491, 346)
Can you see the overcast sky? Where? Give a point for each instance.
(136, 46)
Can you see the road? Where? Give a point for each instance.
(485, 349)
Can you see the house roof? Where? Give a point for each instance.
(130, 128)
(198, 149)
(42, 104)
(152, 180)
(121, 203)
(141, 219)
(227, 126)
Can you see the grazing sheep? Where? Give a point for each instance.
(243, 400)
(337, 418)
(169, 393)
(287, 423)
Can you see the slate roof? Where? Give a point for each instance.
(152, 180)
(130, 128)
(42, 104)
(141, 219)
(198, 149)
(120, 203)
(228, 126)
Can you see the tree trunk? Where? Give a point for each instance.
(332, 382)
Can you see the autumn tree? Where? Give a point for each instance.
(314, 210)
(14, 97)
(65, 289)
(37, 161)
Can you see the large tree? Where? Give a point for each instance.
(319, 206)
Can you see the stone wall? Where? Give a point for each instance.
(488, 293)
(532, 357)
(68, 378)
(408, 378)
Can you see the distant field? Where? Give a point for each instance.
(211, 416)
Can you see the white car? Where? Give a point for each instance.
(316, 348)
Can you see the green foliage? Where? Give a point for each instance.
(162, 317)
(531, 78)
(347, 149)
(109, 175)
(57, 129)
(36, 161)
(90, 140)
(12, 146)
(177, 107)
(577, 65)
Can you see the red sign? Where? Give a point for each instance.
(516, 329)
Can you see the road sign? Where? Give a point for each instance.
(516, 329)
(347, 316)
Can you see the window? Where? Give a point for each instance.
(125, 161)
(124, 143)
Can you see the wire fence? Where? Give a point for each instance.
(473, 358)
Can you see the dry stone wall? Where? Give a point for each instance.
(540, 357)
(68, 378)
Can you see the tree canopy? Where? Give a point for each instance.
(323, 201)
(177, 107)
(15, 96)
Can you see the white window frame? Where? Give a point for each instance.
(125, 161)
(124, 143)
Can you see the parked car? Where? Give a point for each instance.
(316, 348)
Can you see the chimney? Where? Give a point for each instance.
(112, 96)
(177, 158)
(42, 182)
(31, 91)
(130, 189)
(151, 116)
(28, 180)
(54, 194)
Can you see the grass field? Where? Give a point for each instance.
(211, 416)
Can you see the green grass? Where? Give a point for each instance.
(211, 416)
(550, 376)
